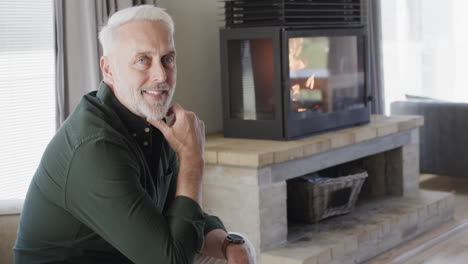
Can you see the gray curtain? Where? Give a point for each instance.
(375, 52)
(77, 24)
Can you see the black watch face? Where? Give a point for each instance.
(236, 239)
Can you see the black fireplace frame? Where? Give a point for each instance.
(285, 124)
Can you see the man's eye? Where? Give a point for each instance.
(168, 60)
(142, 60)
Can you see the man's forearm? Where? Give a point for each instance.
(213, 243)
(186, 135)
(189, 179)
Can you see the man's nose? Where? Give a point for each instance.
(158, 73)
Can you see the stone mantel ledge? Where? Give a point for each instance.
(259, 153)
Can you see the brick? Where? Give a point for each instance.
(423, 212)
(351, 244)
(211, 157)
(225, 175)
(338, 250)
(341, 138)
(273, 215)
(364, 133)
(290, 153)
(315, 145)
(384, 129)
(271, 259)
(324, 257)
(363, 237)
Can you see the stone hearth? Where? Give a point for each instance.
(245, 185)
(373, 227)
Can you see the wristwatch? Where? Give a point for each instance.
(231, 239)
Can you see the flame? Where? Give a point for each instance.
(311, 81)
(295, 89)
(298, 63)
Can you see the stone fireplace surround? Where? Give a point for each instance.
(245, 185)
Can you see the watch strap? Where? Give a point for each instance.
(226, 242)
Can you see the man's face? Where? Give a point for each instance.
(142, 68)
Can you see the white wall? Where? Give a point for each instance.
(197, 26)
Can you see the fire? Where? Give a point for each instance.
(297, 62)
(311, 81)
(295, 89)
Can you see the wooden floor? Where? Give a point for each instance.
(447, 244)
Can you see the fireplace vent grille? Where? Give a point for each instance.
(294, 13)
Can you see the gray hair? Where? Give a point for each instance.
(141, 12)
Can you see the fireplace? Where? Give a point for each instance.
(297, 77)
(391, 208)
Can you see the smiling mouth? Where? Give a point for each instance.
(155, 92)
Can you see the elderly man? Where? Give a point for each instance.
(117, 184)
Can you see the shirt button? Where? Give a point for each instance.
(145, 143)
(147, 129)
(134, 134)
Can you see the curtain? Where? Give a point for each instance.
(77, 24)
(375, 56)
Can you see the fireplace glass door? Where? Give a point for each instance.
(325, 75)
(251, 76)
(281, 83)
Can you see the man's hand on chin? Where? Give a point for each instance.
(239, 254)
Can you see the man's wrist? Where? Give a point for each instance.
(234, 249)
(233, 242)
(191, 159)
(191, 165)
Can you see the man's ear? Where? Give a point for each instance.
(107, 71)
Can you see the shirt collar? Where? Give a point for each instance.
(142, 131)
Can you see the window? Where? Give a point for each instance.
(27, 93)
(425, 49)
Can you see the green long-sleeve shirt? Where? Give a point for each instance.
(104, 192)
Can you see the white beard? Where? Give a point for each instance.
(158, 109)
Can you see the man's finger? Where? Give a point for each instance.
(176, 109)
(159, 124)
(169, 111)
(202, 125)
(173, 121)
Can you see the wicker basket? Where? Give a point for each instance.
(312, 201)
